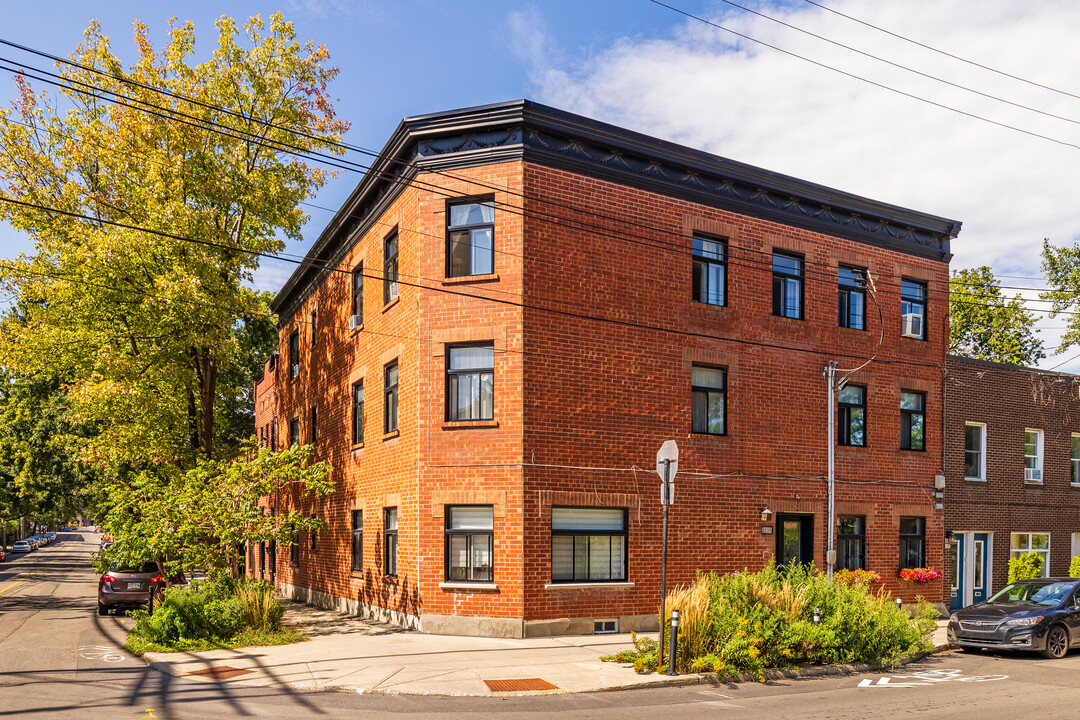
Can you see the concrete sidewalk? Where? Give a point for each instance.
(373, 658)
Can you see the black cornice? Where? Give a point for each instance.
(522, 129)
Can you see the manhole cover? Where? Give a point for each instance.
(522, 685)
(222, 672)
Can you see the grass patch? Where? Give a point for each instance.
(138, 645)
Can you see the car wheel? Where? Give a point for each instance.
(102, 610)
(1057, 643)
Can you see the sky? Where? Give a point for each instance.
(804, 106)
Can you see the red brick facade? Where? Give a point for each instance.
(595, 333)
(995, 499)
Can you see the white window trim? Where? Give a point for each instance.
(1073, 461)
(1049, 542)
(588, 585)
(982, 452)
(1038, 454)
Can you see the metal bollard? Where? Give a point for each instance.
(674, 643)
(817, 616)
(899, 602)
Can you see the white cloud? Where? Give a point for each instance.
(706, 88)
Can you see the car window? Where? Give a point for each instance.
(149, 567)
(1048, 593)
(1051, 594)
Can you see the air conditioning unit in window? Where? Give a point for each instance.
(295, 370)
(911, 325)
(355, 321)
(1032, 475)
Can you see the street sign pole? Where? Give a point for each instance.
(665, 498)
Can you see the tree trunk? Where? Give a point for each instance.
(207, 395)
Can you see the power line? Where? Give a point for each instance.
(868, 81)
(942, 52)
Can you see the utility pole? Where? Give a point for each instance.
(667, 464)
(829, 371)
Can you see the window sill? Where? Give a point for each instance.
(357, 446)
(1075, 485)
(356, 330)
(356, 575)
(1033, 483)
(467, 586)
(860, 331)
(489, 277)
(789, 320)
(974, 479)
(391, 435)
(467, 424)
(709, 306)
(587, 585)
(911, 339)
(391, 304)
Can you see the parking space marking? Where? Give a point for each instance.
(26, 576)
(929, 677)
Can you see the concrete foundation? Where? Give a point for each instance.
(349, 607)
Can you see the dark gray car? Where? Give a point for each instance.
(1042, 615)
(124, 587)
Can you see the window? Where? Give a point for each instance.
(974, 451)
(588, 544)
(390, 402)
(294, 354)
(314, 328)
(470, 544)
(390, 541)
(314, 535)
(787, 286)
(913, 302)
(912, 542)
(358, 295)
(390, 268)
(294, 548)
(851, 542)
(912, 420)
(357, 540)
(1038, 543)
(851, 283)
(708, 400)
(358, 413)
(710, 271)
(1033, 456)
(470, 383)
(314, 422)
(851, 426)
(1075, 474)
(294, 432)
(262, 557)
(470, 234)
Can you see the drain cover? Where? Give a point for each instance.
(222, 672)
(521, 685)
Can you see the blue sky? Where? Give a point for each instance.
(645, 67)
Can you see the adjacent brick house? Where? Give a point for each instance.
(1012, 469)
(517, 306)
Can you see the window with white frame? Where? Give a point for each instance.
(588, 544)
(470, 541)
(974, 451)
(1074, 475)
(1033, 456)
(1038, 543)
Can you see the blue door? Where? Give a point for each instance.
(957, 572)
(979, 580)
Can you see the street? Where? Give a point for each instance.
(58, 659)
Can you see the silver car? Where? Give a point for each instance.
(21, 546)
(125, 587)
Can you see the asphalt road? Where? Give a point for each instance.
(58, 659)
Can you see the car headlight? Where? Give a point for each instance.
(1023, 622)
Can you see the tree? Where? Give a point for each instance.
(1061, 265)
(983, 324)
(144, 327)
(202, 517)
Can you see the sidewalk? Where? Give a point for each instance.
(351, 655)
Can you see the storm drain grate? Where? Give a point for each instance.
(222, 672)
(521, 685)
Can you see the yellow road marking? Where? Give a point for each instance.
(25, 576)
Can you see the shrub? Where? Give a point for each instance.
(216, 610)
(1025, 567)
(1074, 566)
(748, 621)
(260, 609)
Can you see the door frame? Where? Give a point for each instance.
(806, 535)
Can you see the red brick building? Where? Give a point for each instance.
(517, 306)
(1013, 473)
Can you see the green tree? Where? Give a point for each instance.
(145, 328)
(986, 325)
(1061, 265)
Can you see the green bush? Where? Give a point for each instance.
(215, 611)
(1025, 567)
(757, 620)
(1074, 566)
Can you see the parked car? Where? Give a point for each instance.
(51, 535)
(2, 556)
(1042, 615)
(21, 546)
(126, 587)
